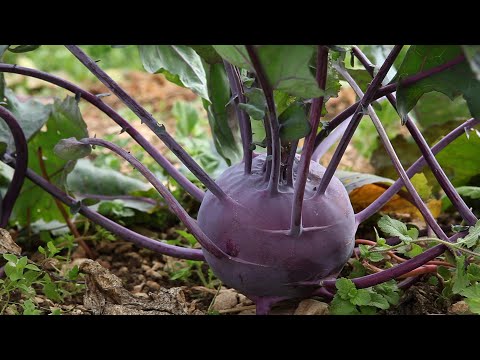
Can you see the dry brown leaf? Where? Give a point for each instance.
(365, 195)
(7, 245)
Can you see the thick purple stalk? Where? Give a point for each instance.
(243, 119)
(357, 116)
(290, 162)
(437, 170)
(172, 203)
(385, 90)
(416, 167)
(124, 124)
(18, 178)
(272, 118)
(122, 232)
(430, 220)
(308, 147)
(148, 119)
(327, 143)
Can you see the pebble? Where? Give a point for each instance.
(153, 274)
(157, 265)
(244, 301)
(311, 307)
(153, 285)
(459, 308)
(123, 270)
(123, 248)
(225, 300)
(141, 295)
(247, 312)
(138, 288)
(145, 268)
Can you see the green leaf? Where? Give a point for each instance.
(31, 116)
(50, 289)
(256, 105)
(23, 48)
(471, 291)
(10, 257)
(413, 233)
(393, 227)
(368, 310)
(115, 209)
(474, 305)
(294, 123)
(444, 273)
(29, 308)
(34, 203)
(346, 288)
(221, 116)
(472, 53)
(362, 298)
(458, 80)
(420, 183)
(22, 262)
(186, 117)
(32, 267)
(207, 53)
(53, 250)
(358, 269)
(379, 301)
(460, 280)
(87, 178)
(282, 101)
(473, 272)
(460, 161)
(286, 67)
(73, 273)
(189, 237)
(179, 63)
(471, 239)
(435, 108)
(339, 306)
(235, 54)
(71, 149)
(414, 251)
(361, 77)
(472, 192)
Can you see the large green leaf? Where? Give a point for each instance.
(435, 108)
(87, 178)
(294, 123)
(460, 160)
(221, 116)
(286, 67)
(34, 203)
(31, 116)
(455, 81)
(207, 53)
(472, 52)
(179, 63)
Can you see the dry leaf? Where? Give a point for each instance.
(7, 245)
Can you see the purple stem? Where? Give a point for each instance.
(385, 90)
(357, 116)
(290, 162)
(2, 272)
(272, 120)
(124, 124)
(20, 171)
(325, 145)
(308, 147)
(118, 197)
(243, 118)
(148, 119)
(437, 170)
(399, 270)
(416, 167)
(172, 203)
(405, 284)
(430, 220)
(124, 233)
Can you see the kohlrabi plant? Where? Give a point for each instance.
(275, 224)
